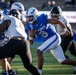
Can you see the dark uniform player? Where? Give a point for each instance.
(67, 40)
(17, 44)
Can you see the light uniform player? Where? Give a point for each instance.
(39, 25)
(5, 65)
(67, 41)
(19, 6)
(18, 43)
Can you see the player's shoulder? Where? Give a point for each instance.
(12, 18)
(63, 17)
(7, 17)
(43, 15)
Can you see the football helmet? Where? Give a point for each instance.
(18, 6)
(31, 12)
(56, 11)
(15, 13)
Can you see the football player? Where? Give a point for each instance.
(38, 25)
(18, 43)
(67, 40)
(4, 63)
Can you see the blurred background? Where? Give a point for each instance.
(47, 4)
(42, 5)
(68, 7)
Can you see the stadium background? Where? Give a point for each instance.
(69, 9)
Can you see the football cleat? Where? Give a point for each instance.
(4, 73)
(11, 72)
(74, 72)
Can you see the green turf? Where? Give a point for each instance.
(50, 67)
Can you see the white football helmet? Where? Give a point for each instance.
(18, 6)
(32, 12)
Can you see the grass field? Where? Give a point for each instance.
(51, 66)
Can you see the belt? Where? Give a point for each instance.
(18, 38)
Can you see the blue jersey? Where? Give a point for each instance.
(42, 27)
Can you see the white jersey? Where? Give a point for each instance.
(59, 29)
(1, 18)
(23, 17)
(16, 28)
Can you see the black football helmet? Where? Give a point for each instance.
(15, 13)
(56, 11)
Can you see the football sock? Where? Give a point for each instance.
(40, 71)
(74, 68)
(4, 70)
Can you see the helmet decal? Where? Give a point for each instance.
(17, 5)
(33, 11)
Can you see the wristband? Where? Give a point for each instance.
(30, 38)
(65, 29)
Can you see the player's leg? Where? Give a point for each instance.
(27, 59)
(40, 61)
(6, 68)
(21, 48)
(66, 43)
(72, 50)
(59, 55)
(4, 65)
(48, 44)
(10, 60)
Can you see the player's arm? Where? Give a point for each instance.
(4, 25)
(56, 21)
(24, 23)
(31, 36)
(70, 30)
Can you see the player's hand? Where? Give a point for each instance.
(32, 33)
(67, 33)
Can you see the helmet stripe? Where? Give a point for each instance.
(33, 11)
(17, 5)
